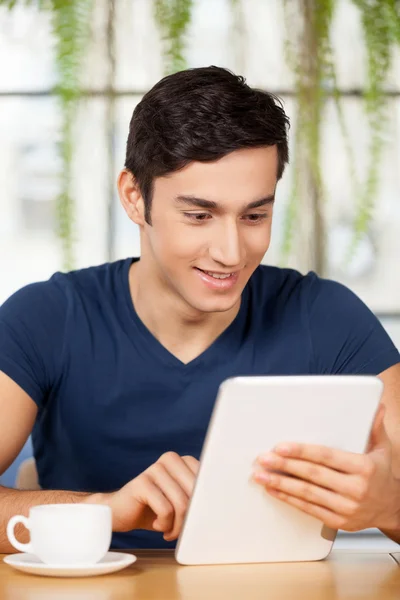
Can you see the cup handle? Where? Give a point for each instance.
(10, 533)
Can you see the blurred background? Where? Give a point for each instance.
(73, 71)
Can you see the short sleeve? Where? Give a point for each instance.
(346, 337)
(32, 323)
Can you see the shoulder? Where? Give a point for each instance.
(347, 336)
(93, 280)
(34, 299)
(311, 289)
(281, 285)
(51, 300)
(328, 298)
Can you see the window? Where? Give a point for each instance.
(254, 47)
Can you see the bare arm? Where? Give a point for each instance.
(17, 416)
(156, 499)
(391, 400)
(18, 502)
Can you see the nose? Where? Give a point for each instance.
(226, 245)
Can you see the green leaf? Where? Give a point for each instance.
(71, 27)
(310, 58)
(381, 28)
(173, 18)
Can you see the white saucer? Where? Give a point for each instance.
(113, 561)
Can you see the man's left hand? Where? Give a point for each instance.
(344, 490)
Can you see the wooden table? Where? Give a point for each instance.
(344, 575)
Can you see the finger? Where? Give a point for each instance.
(346, 462)
(192, 463)
(341, 483)
(160, 505)
(176, 496)
(328, 517)
(179, 470)
(307, 492)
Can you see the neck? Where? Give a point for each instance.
(183, 330)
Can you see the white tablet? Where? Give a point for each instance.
(230, 518)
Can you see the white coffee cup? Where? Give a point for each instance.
(65, 534)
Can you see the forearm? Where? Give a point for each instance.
(18, 502)
(393, 531)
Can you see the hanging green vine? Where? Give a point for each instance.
(310, 58)
(173, 18)
(71, 25)
(381, 27)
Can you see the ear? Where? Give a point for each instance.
(131, 197)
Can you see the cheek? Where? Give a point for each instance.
(176, 241)
(258, 240)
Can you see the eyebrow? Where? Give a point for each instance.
(210, 204)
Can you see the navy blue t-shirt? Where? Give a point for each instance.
(112, 399)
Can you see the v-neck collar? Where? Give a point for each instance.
(226, 343)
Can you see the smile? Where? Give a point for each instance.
(218, 275)
(215, 280)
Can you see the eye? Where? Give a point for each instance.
(256, 217)
(197, 217)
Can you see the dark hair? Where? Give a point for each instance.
(200, 114)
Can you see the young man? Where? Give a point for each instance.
(115, 368)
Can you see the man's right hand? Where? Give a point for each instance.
(157, 499)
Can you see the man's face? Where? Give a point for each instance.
(211, 226)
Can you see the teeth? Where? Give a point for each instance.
(218, 275)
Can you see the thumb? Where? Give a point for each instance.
(378, 437)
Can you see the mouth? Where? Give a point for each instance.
(218, 279)
(217, 274)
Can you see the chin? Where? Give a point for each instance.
(214, 305)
